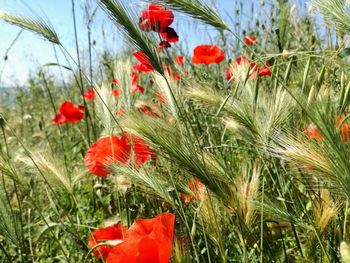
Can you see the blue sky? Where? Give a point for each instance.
(30, 51)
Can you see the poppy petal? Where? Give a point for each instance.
(314, 133)
(163, 44)
(89, 94)
(148, 251)
(148, 111)
(142, 68)
(265, 70)
(250, 40)
(207, 54)
(59, 119)
(120, 112)
(114, 232)
(116, 92)
(160, 96)
(137, 88)
(106, 151)
(69, 113)
(170, 35)
(147, 240)
(156, 18)
(141, 57)
(179, 60)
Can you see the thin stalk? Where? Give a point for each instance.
(222, 251)
(60, 69)
(262, 221)
(2, 248)
(9, 202)
(306, 73)
(205, 239)
(345, 218)
(90, 66)
(8, 50)
(284, 245)
(30, 234)
(256, 95)
(184, 217)
(55, 111)
(5, 141)
(21, 237)
(297, 241)
(80, 83)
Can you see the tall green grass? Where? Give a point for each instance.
(270, 193)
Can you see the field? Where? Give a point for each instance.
(234, 151)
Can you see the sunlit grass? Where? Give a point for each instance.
(250, 153)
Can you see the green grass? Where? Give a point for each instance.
(272, 194)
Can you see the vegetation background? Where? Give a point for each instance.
(271, 152)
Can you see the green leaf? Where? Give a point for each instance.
(58, 65)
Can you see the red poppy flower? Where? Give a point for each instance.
(314, 133)
(240, 68)
(160, 97)
(148, 111)
(141, 57)
(265, 70)
(112, 150)
(197, 188)
(345, 132)
(170, 35)
(250, 40)
(142, 68)
(228, 74)
(112, 234)
(146, 241)
(254, 66)
(116, 92)
(69, 113)
(89, 94)
(115, 81)
(345, 128)
(163, 44)
(134, 86)
(120, 112)
(142, 151)
(144, 65)
(172, 73)
(179, 60)
(156, 18)
(207, 54)
(106, 151)
(243, 66)
(177, 76)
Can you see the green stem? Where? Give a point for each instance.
(184, 217)
(81, 83)
(262, 221)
